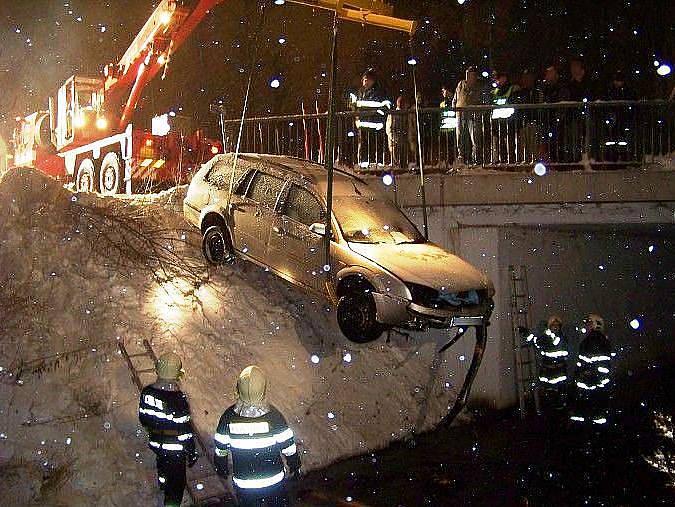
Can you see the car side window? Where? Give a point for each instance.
(241, 188)
(304, 207)
(265, 188)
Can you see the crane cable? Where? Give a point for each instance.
(261, 22)
(419, 147)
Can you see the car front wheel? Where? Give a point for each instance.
(356, 316)
(216, 246)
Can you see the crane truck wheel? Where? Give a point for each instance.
(110, 179)
(86, 176)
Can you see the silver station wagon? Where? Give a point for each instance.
(381, 274)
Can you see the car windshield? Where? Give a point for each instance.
(372, 220)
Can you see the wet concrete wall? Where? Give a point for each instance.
(612, 259)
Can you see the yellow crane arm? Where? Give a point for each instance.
(369, 12)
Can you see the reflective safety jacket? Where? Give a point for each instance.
(258, 446)
(372, 106)
(164, 412)
(594, 363)
(552, 354)
(502, 94)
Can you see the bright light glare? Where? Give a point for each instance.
(101, 123)
(275, 83)
(635, 324)
(412, 61)
(314, 359)
(539, 169)
(388, 179)
(165, 17)
(80, 120)
(663, 70)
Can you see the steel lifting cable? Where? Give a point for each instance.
(419, 148)
(261, 22)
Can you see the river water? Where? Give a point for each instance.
(500, 459)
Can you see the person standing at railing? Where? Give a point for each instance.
(469, 93)
(553, 90)
(617, 142)
(372, 106)
(502, 126)
(582, 89)
(402, 134)
(528, 93)
(447, 128)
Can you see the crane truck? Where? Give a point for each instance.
(86, 138)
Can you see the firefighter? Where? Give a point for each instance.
(592, 379)
(373, 107)
(165, 413)
(552, 353)
(260, 443)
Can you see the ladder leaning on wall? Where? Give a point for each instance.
(524, 354)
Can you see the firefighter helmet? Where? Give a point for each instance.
(169, 366)
(252, 385)
(595, 323)
(555, 323)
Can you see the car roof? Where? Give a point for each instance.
(344, 184)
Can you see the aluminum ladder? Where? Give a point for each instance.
(524, 353)
(204, 486)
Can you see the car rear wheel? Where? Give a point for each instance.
(216, 246)
(356, 316)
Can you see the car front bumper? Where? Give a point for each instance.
(401, 312)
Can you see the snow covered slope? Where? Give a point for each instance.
(80, 272)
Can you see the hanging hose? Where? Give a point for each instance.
(463, 396)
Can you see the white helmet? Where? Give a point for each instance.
(252, 386)
(594, 322)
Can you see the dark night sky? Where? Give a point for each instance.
(46, 41)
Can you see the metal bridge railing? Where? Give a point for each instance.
(593, 135)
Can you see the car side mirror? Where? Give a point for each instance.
(318, 228)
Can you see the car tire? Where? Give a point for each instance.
(356, 316)
(85, 179)
(217, 246)
(111, 176)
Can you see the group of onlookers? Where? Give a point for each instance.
(538, 133)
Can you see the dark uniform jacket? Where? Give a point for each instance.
(373, 107)
(165, 414)
(258, 446)
(594, 364)
(552, 354)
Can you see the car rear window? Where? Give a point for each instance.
(221, 173)
(265, 188)
(303, 207)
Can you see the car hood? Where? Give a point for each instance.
(426, 264)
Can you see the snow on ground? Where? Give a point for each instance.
(80, 272)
